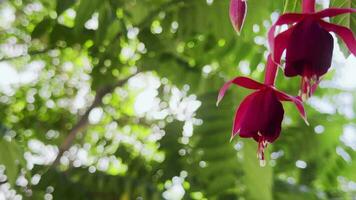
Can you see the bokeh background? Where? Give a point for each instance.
(125, 91)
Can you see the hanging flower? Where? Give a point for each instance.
(308, 43)
(238, 10)
(260, 114)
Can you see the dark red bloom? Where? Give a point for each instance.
(238, 10)
(260, 114)
(308, 44)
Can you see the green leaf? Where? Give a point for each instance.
(85, 10)
(106, 17)
(219, 177)
(292, 6)
(63, 33)
(347, 20)
(11, 157)
(42, 28)
(63, 5)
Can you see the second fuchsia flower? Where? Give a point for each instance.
(260, 114)
(308, 43)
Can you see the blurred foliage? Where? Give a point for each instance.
(86, 49)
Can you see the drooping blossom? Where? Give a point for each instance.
(308, 43)
(238, 10)
(260, 114)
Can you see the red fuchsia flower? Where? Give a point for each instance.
(238, 10)
(308, 43)
(260, 114)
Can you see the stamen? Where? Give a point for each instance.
(262, 163)
(262, 144)
(308, 86)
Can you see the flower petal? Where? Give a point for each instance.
(346, 34)
(264, 116)
(309, 50)
(332, 12)
(296, 100)
(240, 113)
(287, 18)
(241, 81)
(238, 10)
(280, 44)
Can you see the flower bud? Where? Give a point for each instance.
(238, 9)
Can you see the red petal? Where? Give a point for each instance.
(281, 43)
(298, 103)
(238, 10)
(240, 113)
(287, 18)
(264, 116)
(332, 12)
(346, 34)
(309, 50)
(241, 81)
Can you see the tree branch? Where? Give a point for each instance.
(84, 120)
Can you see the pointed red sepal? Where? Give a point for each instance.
(296, 100)
(241, 81)
(280, 44)
(238, 10)
(346, 34)
(332, 12)
(287, 18)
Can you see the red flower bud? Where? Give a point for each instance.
(238, 10)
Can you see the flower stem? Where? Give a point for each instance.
(308, 6)
(271, 71)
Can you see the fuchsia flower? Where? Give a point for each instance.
(308, 43)
(238, 9)
(260, 114)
